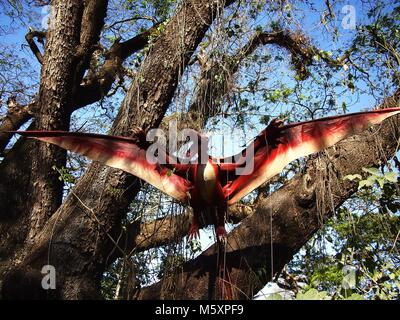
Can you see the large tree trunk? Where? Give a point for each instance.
(30, 191)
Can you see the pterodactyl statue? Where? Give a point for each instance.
(211, 185)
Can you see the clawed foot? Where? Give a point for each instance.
(221, 234)
(194, 232)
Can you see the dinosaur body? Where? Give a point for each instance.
(210, 186)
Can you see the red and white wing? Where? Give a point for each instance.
(118, 152)
(293, 141)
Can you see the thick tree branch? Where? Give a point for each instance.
(92, 23)
(94, 87)
(288, 217)
(152, 19)
(16, 116)
(216, 77)
(97, 84)
(143, 236)
(32, 44)
(300, 48)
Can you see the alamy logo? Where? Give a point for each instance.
(194, 147)
(47, 21)
(49, 279)
(349, 20)
(349, 277)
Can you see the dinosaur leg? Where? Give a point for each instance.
(219, 225)
(224, 280)
(194, 228)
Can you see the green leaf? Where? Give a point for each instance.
(352, 177)
(274, 296)
(362, 184)
(355, 296)
(372, 170)
(351, 86)
(391, 176)
(312, 294)
(344, 106)
(170, 172)
(381, 181)
(365, 183)
(349, 281)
